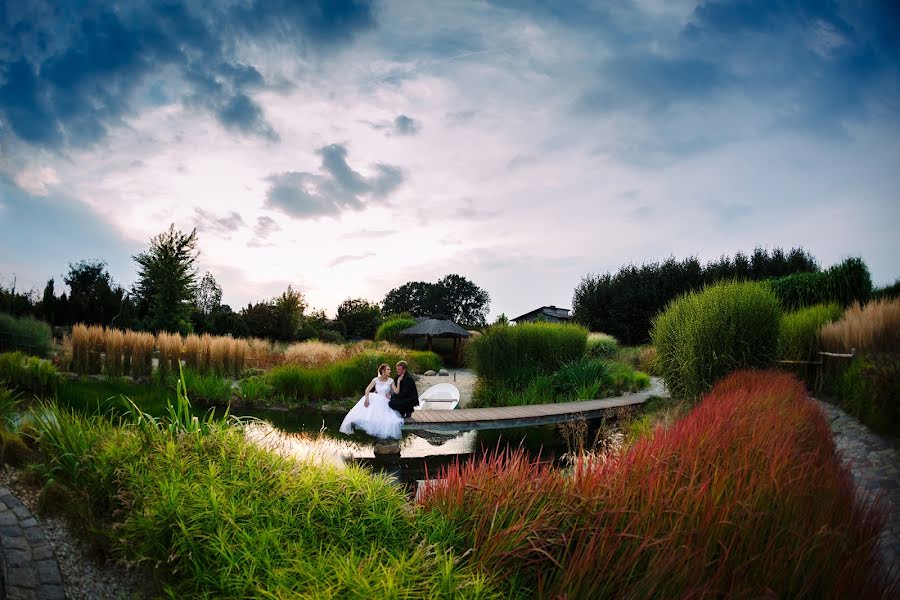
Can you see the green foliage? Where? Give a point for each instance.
(844, 283)
(579, 374)
(623, 304)
(29, 373)
(277, 319)
(359, 318)
(601, 345)
(346, 378)
(166, 288)
(210, 388)
(389, 330)
(217, 516)
(255, 389)
(888, 291)
(512, 356)
(869, 389)
(26, 334)
(9, 407)
(799, 332)
(93, 296)
(706, 335)
(453, 295)
(89, 396)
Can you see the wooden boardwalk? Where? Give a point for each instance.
(518, 416)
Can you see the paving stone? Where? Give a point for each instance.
(28, 522)
(48, 572)
(17, 558)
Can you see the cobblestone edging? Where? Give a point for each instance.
(29, 568)
(875, 465)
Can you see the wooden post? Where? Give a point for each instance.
(429, 343)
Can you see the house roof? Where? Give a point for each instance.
(435, 327)
(551, 311)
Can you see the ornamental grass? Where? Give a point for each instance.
(744, 497)
(873, 328)
(313, 354)
(169, 346)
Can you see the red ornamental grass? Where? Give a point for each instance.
(744, 497)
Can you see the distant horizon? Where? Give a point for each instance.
(347, 148)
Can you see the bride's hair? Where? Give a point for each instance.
(382, 367)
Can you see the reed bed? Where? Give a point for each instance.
(263, 354)
(744, 497)
(88, 343)
(139, 353)
(873, 328)
(114, 344)
(192, 352)
(314, 354)
(169, 345)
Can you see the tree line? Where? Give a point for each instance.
(171, 295)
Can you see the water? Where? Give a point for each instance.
(314, 434)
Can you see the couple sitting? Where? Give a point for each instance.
(384, 405)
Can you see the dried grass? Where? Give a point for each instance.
(314, 354)
(139, 353)
(192, 352)
(115, 346)
(169, 345)
(873, 328)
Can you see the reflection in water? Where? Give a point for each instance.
(314, 435)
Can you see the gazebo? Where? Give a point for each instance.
(437, 326)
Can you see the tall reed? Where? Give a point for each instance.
(140, 349)
(313, 354)
(114, 345)
(192, 352)
(169, 345)
(81, 342)
(873, 328)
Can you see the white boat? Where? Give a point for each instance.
(443, 396)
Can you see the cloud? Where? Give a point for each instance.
(470, 212)
(68, 75)
(369, 234)
(350, 258)
(206, 221)
(335, 189)
(265, 226)
(404, 125)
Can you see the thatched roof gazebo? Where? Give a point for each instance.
(437, 326)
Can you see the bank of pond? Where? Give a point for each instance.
(744, 496)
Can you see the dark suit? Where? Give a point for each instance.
(407, 398)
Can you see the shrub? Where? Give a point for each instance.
(389, 330)
(601, 345)
(331, 337)
(888, 291)
(869, 389)
(29, 373)
(874, 327)
(515, 355)
(26, 334)
(844, 283)
(798, 337)
(727, 502)
(705, 335)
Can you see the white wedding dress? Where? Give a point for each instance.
(377, 419)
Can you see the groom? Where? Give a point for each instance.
(408, 396)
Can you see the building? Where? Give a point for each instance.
(545, 313)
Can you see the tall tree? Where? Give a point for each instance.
(209, 294)
(93, 296)
(418, 298)
(360, 318)
(167, 281)
(289, 307)
(48, 302)
(463, 301)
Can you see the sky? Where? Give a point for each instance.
(346, 147)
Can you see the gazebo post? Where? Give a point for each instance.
(429, 343)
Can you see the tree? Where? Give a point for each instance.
(167, 281)
(454, 296)
(463, 301)
(209, 294)
(48, 302)
(502, 320)
(260, 319)
(289, 307)
(93, 296)
(418, 298)
(359, 317)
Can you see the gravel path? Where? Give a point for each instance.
(875, 464)
(84, 575)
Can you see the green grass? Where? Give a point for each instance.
(513, 356)
(583, 379)
(216, 516)
(799, 332)
(601, 345)
(26, 334)
(28, 373)
(869, 389)
(703, 336)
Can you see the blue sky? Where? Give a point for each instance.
(346, 147)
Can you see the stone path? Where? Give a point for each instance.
(875, 464)
(29, 568)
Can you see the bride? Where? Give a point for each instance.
(372, 413)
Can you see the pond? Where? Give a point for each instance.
(310, 433)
